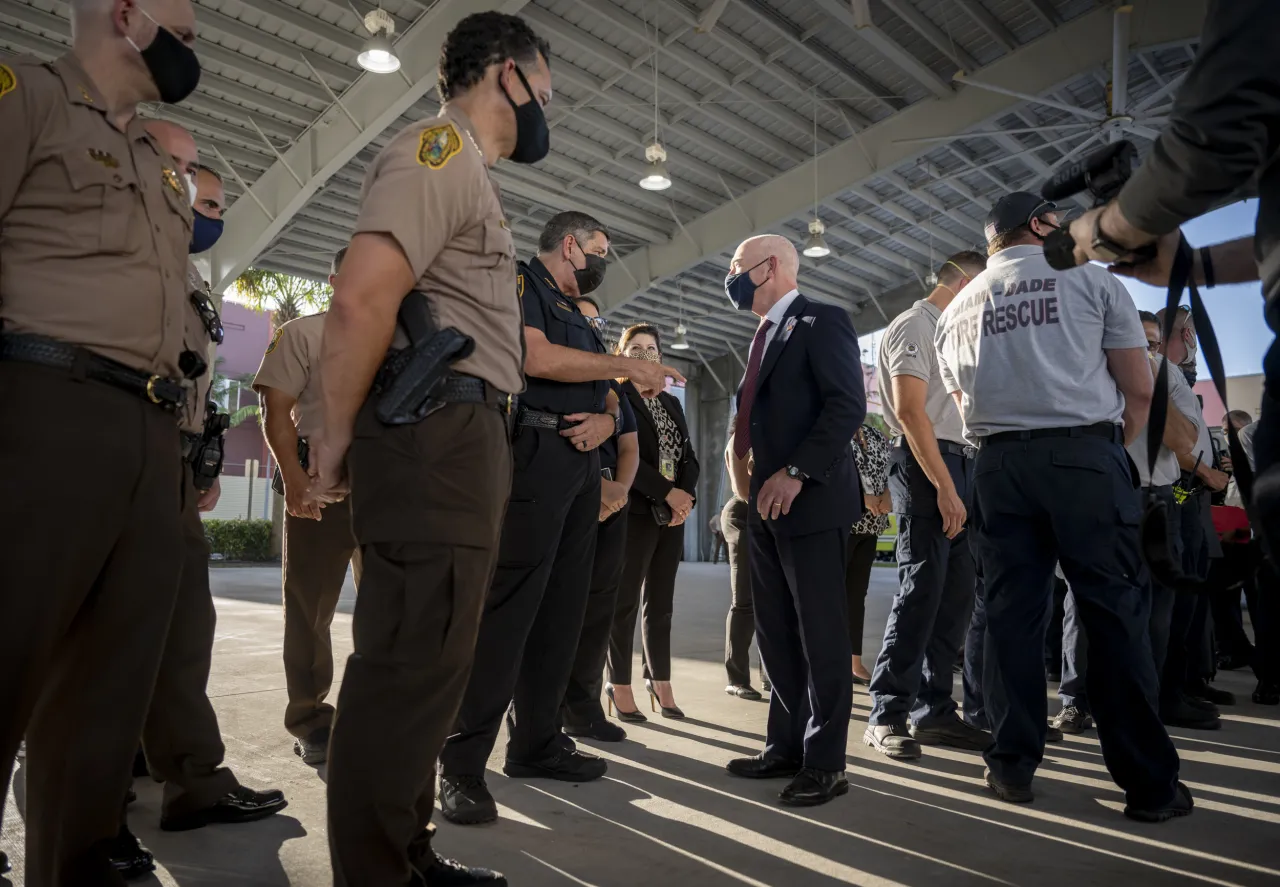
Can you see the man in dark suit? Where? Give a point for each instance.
(799, 405)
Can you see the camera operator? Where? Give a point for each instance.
(1224, 129)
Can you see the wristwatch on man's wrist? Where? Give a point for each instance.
(796, 473)
(617, 422)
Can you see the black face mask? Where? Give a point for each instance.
(741, 289)
(533, 139)
(591, 276)
(173, 66)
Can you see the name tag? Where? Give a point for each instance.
(668, 469)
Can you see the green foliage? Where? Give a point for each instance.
(876, 421)
(285, 296)
(226, 389)
(239, 540)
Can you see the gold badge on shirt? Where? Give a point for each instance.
(519, 286)
(437, 145)
(103, 157)
(8, 80)
(171, 179)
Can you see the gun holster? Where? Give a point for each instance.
(206, 458)
(304, 452)
(409, 381)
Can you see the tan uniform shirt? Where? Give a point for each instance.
(94, 222)
(430, 190)
(196, 338)
(292, 365)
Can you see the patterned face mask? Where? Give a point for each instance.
(651, 356)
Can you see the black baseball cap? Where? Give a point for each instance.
(1014, 210)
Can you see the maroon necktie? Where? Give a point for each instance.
(742, 424)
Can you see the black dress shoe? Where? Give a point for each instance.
(435, 870)
(562, 764)
(813, 787)
(4, 863)
(128, 856)
(465, 800)
(1235, 661)
(1186, 714)
(954, 733)
(1181, 805)
(241, 804)
(764, 766)
(1267, 693)
(1209, 693)
(1007, 791)
(600, 731)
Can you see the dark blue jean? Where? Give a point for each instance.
(975, 706)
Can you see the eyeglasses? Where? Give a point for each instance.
(1153, 346)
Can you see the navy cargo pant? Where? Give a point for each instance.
(930, 615)
(1070, 499)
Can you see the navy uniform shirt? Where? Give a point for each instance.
(548, 309)
(609, 449)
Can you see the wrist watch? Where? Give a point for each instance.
(617, 422)
(1108, 249)
(796, 473)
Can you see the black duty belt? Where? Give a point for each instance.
(945, 446)
(458, 388)
(537, 419)
(165, 393)
(1107, 430)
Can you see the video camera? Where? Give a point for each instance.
(1102, 174)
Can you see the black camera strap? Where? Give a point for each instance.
(1156, 519)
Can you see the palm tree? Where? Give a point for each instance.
(226, 389)
(285, 296)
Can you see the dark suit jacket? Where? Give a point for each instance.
(809, 402)
(650, 486)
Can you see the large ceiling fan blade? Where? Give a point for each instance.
(995, 132)
(961, 77)
(1120, 59)
(1066, 158)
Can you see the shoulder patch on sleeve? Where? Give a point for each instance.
(519, 286)
(275, 340)
(437, 144)
(911, 348)
(8, 80)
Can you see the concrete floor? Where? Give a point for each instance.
(667, 813)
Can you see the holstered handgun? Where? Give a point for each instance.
(410, 378)
(206, 458)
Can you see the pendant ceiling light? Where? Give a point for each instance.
(815, 247)
(378, 56)
(680, 343)
(655, 176)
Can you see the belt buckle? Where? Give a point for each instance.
(151, 390)
(507, 409)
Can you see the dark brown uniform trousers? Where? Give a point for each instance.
(316, 554)
(427, 505)
(181, 737)
(91, 551)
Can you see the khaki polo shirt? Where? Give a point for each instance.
(94, 222)
(292, 366)
(429, 190)
(907, 349)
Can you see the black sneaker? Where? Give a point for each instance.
(1072, 720)
(128, 856)
(1209, 693)
(954, 734)
(1181, 805)
(1052, 733)
(600, 731)
(892, 740)
(435, 870)
(465, 800)
(1201, 704)
(1008, 792)
(562, 764)
(1182, 713)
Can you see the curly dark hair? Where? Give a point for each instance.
(481, 40)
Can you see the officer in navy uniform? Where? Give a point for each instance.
(1050, 371)
(534, 612)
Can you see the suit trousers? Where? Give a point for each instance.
(803, 631)
(740, 626)
(316, 554)
(534, 610)
(582, 699)
(1070, 500)
(427, 505)
(91, 562)
(181, 737)
(653, 556)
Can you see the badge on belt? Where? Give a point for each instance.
(668, 469)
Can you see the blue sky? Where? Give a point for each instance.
(1236, 311)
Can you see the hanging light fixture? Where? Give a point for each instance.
(815, 247)
(680, 343)
(655, 177)
(378, 56)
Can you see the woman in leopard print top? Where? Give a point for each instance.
(871, 451)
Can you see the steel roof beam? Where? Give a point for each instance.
(887, 47)
(1076, 47)
(333, 140)
(1044, 9)
(989, 23)
(906, 215)
(312, 24)
(944, 43)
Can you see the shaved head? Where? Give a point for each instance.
(756, 249)
(771, 263)
(178, 142)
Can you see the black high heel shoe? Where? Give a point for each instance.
(655, 703)
(631, 717)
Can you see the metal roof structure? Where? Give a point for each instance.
(768, 109)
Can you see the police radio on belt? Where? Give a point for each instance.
(1102, 173)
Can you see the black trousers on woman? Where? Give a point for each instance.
(857, 576)
(652, 557)
(582, 700)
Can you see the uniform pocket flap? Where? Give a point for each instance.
(1069, 459)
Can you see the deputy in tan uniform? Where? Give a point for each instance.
(318, 544)
(95, 221)
(181, 738)
(428, 498)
